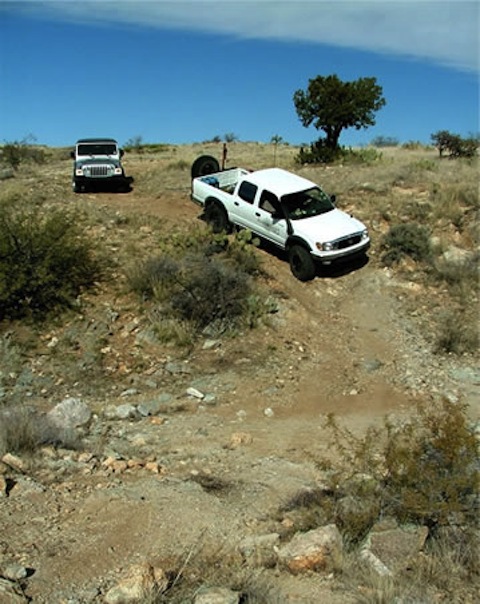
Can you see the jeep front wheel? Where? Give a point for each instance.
(301, 262)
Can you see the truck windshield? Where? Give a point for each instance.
(97, 149)
(305, 204)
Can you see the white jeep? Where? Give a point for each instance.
(97, 164)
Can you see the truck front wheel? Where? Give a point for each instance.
(302, 264)
(217, 218)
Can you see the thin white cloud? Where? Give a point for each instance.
(441, 31)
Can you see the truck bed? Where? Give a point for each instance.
(226, 181)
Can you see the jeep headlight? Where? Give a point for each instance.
(118, 171)
(79, 171)
(364, 235)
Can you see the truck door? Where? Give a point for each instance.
(243, 209)
(269, 223)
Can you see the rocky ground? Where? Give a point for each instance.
(201, 453)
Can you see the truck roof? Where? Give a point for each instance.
(280, 182)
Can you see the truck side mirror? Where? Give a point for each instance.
(333, 198)
(72, 154)
(122, 152)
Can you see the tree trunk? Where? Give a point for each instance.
(333, 134)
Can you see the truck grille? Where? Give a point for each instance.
(341, 244)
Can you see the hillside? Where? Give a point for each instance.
(192, 451)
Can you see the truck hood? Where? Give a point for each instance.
(328, 227)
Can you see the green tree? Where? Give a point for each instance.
(332, 105)
(454, 144)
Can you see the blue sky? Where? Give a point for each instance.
(188, 70)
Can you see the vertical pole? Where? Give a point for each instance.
(224, 156)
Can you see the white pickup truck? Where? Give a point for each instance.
(285, 209)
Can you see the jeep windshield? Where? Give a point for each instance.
(97, 149)
(306, 204)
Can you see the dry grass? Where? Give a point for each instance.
(204, 564)
(23, 430)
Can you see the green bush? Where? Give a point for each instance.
(423, 470)
(368, 156)
(318, 153)
(203, 280)
(45, 260)
(455, 145)
(406, 240)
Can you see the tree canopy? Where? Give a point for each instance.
(332, 105)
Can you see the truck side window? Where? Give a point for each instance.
(247, 191)
(268, 202)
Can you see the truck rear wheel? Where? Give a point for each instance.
(203, 165)
(217, 218)
(301, 262)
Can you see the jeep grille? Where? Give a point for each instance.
(101, 171)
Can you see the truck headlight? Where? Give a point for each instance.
(79, 172)
(364, 234)
(118, 171)
(324, 247)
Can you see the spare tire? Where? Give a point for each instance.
(203, 165)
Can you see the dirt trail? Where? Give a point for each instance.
(336, 346)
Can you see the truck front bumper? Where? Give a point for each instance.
(345, 255)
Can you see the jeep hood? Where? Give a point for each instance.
(328, 227)
(104, 159)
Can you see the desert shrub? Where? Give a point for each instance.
(367, 155)
(201, 280)
(424, 165)
(406, 240)
(456, 334)
(205, 564)
(45, 261)
(385, 141)
(14, 153)
(418, 211)
(230, 137)
(134, 144)
(461, 277)
(210, 292)
(23, 430)
(447, 569)
(454, 144)
(423, 470)
(10, 356)
(413, 145)
(452, 200)
(318, 153)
